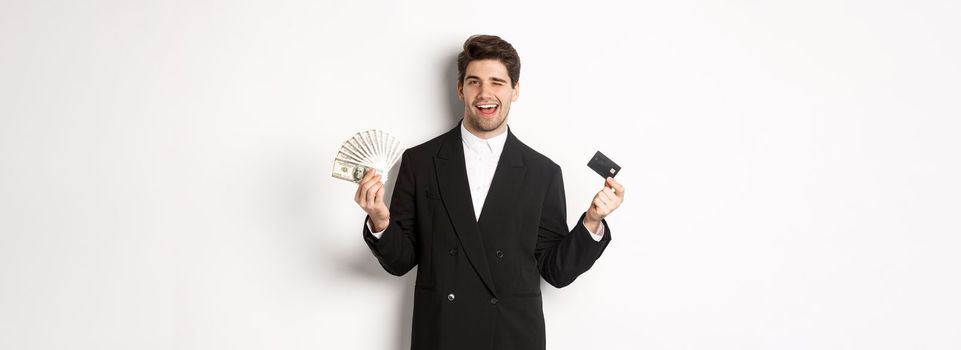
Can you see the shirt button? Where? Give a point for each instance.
(499, 254)
(453, 251)
(493, 301)
(450, 297)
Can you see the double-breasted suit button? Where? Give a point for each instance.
(450, 297)
(493, 301)
(500, 254)
(453, 251)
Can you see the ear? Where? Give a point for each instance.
(460, 90)
(517, 91)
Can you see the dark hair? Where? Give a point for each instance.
(484, 47)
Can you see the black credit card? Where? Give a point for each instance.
(603, 166)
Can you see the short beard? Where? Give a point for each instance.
(479, 125)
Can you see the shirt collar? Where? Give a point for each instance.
(494, 144)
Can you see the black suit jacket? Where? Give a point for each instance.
(478, 281)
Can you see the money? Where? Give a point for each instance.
(370, 149)
(345, 170)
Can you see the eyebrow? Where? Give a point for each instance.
(497, 79)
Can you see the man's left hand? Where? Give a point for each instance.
(605, 201)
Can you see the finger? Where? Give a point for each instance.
(370, 177)
(360, 194)
(599, 203)
(618, 188)
(600, 209)
(607, 196)
(368, 174)
(379, 198)
(372, 194)
(357, 197)
(608, 190)
(366, 186)
(366, 178)
(371, 181)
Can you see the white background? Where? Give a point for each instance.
(791, 168)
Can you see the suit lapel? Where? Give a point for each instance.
(506, 183)
(455, 192)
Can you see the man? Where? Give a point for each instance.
(483, 217)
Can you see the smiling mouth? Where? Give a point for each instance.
(487, 109)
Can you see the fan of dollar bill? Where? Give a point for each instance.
(371, 149)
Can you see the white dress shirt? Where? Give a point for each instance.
(481, 157)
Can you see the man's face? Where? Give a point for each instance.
(487, 95)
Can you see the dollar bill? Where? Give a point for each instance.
(348, 171)
(353, 172)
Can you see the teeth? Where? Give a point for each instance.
(486, 106)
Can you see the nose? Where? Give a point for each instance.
(485, 91)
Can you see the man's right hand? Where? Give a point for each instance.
(370, 197)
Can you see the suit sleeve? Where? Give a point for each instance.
(396, 249)
(564, 254)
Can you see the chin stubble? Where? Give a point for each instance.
(485, 127)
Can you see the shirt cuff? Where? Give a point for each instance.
(597, 236)
(381, 233)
